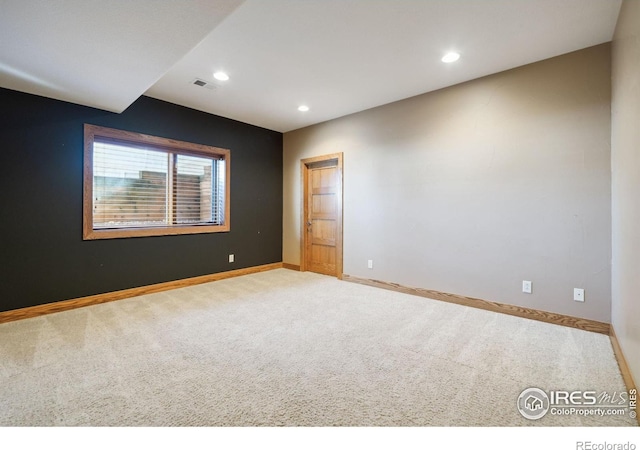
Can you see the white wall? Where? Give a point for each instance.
(474, 188)
(625, 165)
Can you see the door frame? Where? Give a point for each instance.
(304, 185)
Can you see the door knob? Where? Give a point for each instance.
(309, 223)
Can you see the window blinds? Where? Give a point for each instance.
(147, 187)
(199, 192)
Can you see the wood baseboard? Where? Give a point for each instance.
(622, 364)
(65, 305)
(291, 267)
(519, 311)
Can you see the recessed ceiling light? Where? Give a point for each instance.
(303, 108)
(451, 57)
(221, 76)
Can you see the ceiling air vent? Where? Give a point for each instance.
(204, 84)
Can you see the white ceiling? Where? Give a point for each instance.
(100, 53)
(336, 56)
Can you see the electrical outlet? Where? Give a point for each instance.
(527, 286)
(232, 258)
(370, 263)
(578, 294)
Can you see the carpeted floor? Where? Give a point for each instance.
(290, 348)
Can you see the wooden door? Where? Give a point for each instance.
(322, 218)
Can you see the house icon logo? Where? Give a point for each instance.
(533, 403)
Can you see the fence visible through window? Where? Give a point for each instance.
(135, 185)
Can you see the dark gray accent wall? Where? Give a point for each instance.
(43, 258)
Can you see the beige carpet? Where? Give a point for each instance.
(289, 348)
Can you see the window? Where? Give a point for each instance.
(140, 185)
